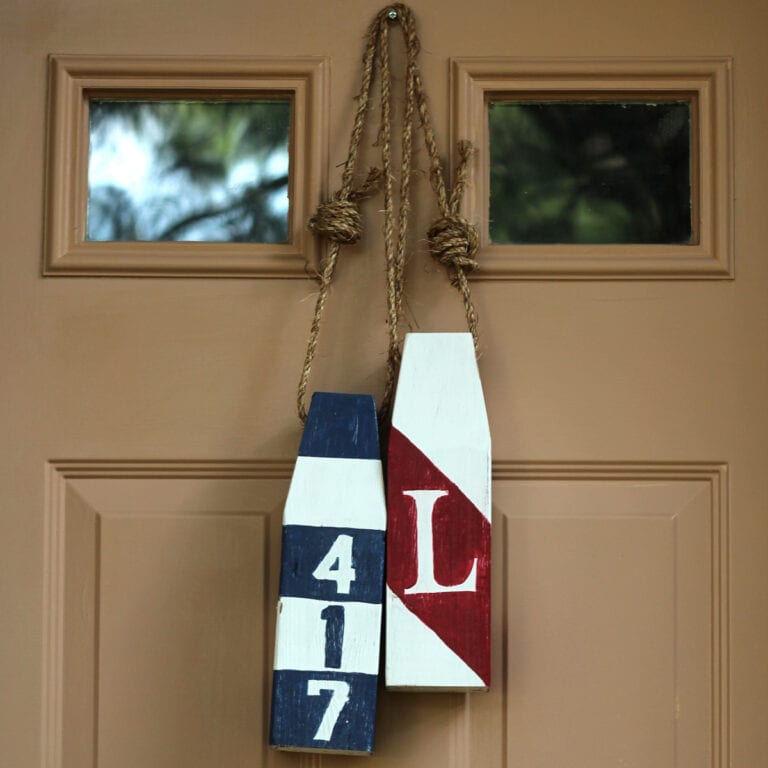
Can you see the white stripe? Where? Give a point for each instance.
(439, 407)
(342, 493)
(417, 657)
(300, 636)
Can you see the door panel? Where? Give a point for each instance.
(149, 433)
(629, 625)
(159, 616)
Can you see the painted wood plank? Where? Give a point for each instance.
(331, 582)
(438, 520)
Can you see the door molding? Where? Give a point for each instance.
(73, 80)
(91, 491)
(707, 81)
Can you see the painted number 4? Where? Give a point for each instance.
(337, 565)
(339, 697)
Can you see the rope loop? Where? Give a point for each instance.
(453, 241)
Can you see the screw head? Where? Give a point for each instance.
(392, 15)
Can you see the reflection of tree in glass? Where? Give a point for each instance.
(590, 172)
(189, 170)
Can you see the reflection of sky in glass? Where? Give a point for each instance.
(192, 171)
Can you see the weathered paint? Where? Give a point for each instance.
(331, 582)
(439, 520)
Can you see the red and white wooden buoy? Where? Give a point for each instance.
(438, 520)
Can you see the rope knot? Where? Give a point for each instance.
(453, 241)
(338, 220)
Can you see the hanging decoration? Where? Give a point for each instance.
(332, 573)
(438, 520)
(331, 582)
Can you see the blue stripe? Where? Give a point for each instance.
(305, 546)
(296, 715)
(341, 426)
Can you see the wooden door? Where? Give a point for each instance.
(149, 425)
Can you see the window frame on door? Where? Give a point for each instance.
(705, 82)
(74, 80)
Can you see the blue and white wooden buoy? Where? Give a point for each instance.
(439, 520)
(331, 583)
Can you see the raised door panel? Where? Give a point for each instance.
(160, 612)
(610, 619)
(614, 616)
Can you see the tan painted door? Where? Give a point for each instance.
(148, 433)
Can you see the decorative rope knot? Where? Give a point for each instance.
(453, 241)
(338, 220)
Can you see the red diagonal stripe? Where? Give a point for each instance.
(461, 533)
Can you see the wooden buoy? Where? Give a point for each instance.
(331, 583)
(438, 520)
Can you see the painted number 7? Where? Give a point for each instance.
(337, 564)
(339, 697)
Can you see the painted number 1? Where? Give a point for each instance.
(339, 697)
(333, 616)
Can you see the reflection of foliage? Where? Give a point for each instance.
(196, 148)
(111, 207)
(590, 172)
